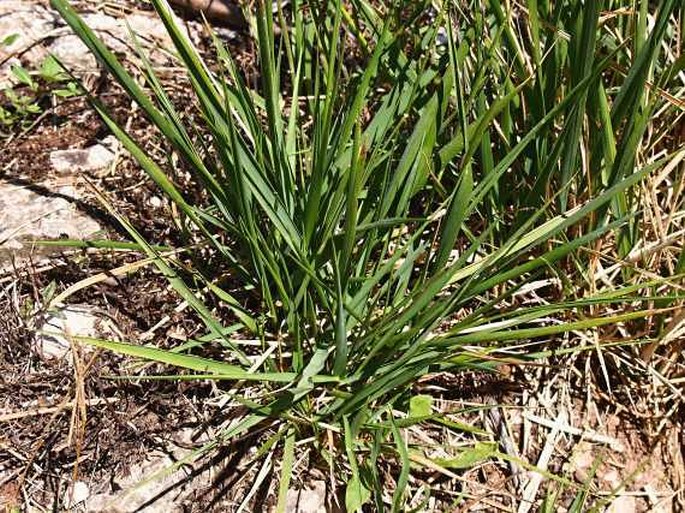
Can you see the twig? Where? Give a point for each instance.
(590, 436)
(46, 410)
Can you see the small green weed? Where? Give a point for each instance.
(26, 100)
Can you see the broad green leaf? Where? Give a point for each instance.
(470, 457)
(10, 39)
(23, 76)
(421, 406)
(52, 70)
(356, 495)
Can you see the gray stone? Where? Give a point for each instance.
(93, 158)
(27, 214)
(150, 28)
(28, 24)
(76, 496)
(53, 341)
(623, 504)
(148, 486)
(40, 31)
(70, 51)
(155, 201)
(310, 499)
(138, 490)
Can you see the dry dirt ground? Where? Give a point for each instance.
(73, 439)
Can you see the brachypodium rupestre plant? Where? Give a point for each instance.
(367, 204)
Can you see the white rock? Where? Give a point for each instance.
(147, 498)
(53, 341)
(92, 158)
(71, 52)
(149, 27)
(30, 23)
(40, 30)
(111, 143)
(32, 214)
(622, 504)
(311, 499)
(76, 495)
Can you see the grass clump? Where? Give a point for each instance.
(400, 173)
